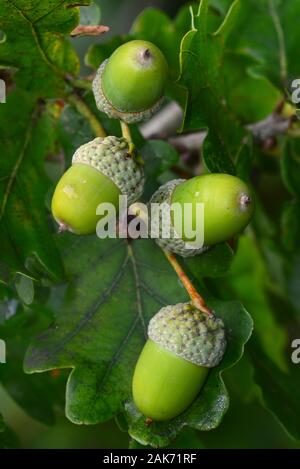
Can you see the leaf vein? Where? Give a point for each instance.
(138, 289)
(17, 165)
(89, 315)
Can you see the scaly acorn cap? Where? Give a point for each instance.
(174, 243)
(104, 105)
(110, 156)
(187, 332)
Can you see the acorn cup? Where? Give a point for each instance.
(130, 85)
(101, 171)
(228, 208)
(183, 344)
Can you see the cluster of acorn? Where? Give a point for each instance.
(183, 341)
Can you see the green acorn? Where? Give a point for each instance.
(130, 84)
(183, 344)
(228, 208)
(101, 171)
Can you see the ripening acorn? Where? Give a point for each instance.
(101, 171)
(183, 344)
(228, 208)
(130, 84)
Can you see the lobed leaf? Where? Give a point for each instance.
(223, 91)
(28, 135)
(35, 44)
(101, 322)
(268, 350)
(17, 327)
(7, 438)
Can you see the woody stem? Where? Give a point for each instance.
(196, 298)
(127, 134)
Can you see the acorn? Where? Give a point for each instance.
(228, 208)
(130, 84)
(183, 344)
(101, 171)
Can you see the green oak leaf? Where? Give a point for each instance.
(249, 94)
(101, 319)
(216, 156)
(220, 88)
(28, 135)
(35, 44)
(74, 130)
(268, 350)
(209, 408)
(279, 389)
(290, 235)
(159, 156)
(267, 31)
(17, 327)
(155, 26)
(276, 242)
(25, 288)
(113, 291)
(248, 274)
(201, 59)
(215, 263)
(290, 225)
(293, 279)
(7, 438)
(240, 380)
(187, 439)
(290, 166)
(244, 159)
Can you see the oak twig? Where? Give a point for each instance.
(127, 134)
(196, 298)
